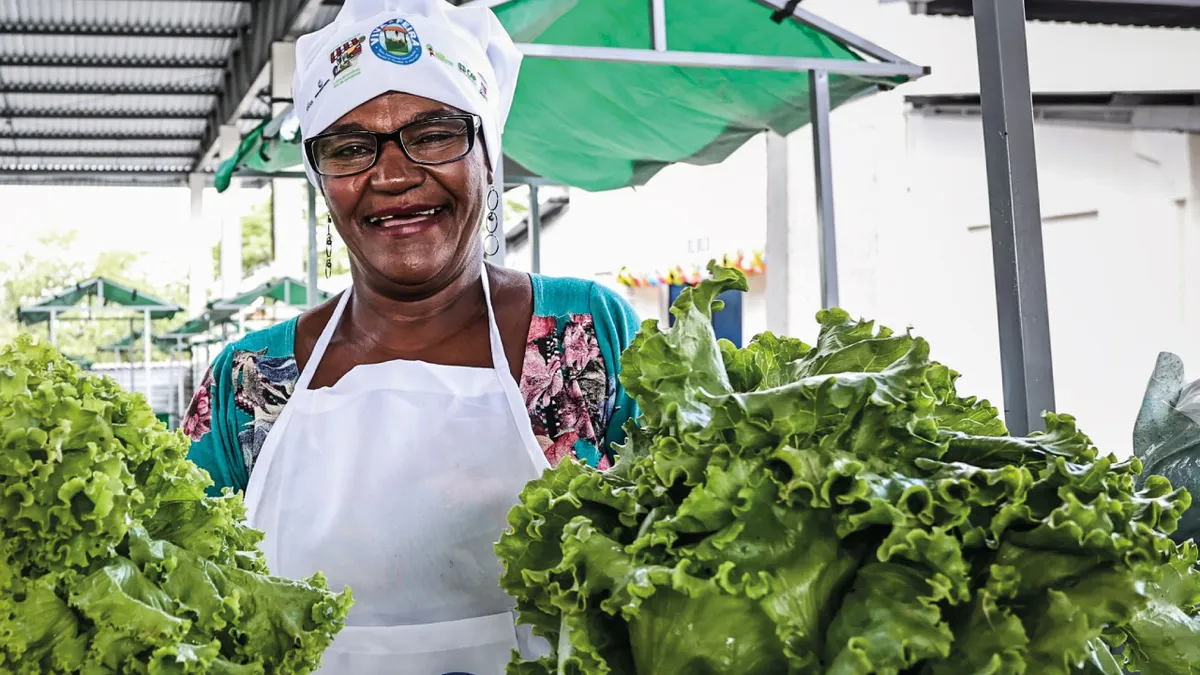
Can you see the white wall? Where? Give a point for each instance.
(915, 250)
(912, 214)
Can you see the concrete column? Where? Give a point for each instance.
(778, 234)
(289, 224)
(312, 264)
(200, 267)
(288, 194)
(1190, 244)
(231, 220)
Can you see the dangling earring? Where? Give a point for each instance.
(328, 246)
(491, 242)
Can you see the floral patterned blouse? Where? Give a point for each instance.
(569, 381)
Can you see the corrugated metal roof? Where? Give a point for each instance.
(182, 16)
(1146, 13)
(124, 91)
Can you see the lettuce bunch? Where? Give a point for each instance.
(112, 560)
(840, 509)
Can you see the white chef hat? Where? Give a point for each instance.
(460, 56)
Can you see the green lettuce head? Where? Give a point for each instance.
(840, 509)
(112, 560)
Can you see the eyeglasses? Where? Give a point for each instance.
(431, 142)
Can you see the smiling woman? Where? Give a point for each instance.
(383, 437)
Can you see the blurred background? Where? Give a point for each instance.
(153, 206)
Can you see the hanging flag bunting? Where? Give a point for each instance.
(692, 274)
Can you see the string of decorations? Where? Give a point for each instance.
(689, 275)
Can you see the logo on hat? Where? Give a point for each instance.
(396, 41)
(345, 59)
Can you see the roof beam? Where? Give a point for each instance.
(270, 21)
(43, 135)
(51, 60)
(109, 30)
(111, 114)
(130, 89)
(683, 59)
(844, 37)
(96, 154)
(108, 170)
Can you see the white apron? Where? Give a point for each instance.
(396, 482)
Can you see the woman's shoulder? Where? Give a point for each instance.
(277, 343)
(569, 296)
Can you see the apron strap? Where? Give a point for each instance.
(499, 358)
(516, 400)
(318, 351)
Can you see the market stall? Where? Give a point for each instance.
(647, 105)
(100, 299)
(655, 84)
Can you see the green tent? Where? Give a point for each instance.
(108, 295)
(285, 290)
(199, 325)
(273, 147)
(598, 108)
(133, 340)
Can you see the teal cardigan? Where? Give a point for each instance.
(569, 381)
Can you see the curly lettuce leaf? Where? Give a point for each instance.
(1164, 637)
(842, 509)
(112, 560)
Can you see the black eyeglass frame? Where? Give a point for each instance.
(381, 138)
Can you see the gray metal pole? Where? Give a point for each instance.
(1016, 219)
(146, 338)
(535, 230)
(658, 25)
(818, 84)
(312, 246)
(779, 232)
(53, 328)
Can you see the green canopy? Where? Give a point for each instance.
(134, 341)
(201, 324)
(282, 289)
(273, 147)
(601, 125)
(110, 295)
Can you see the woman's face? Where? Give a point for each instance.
(407, 225)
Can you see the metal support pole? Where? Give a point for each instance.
(818, 85)
(200, 267)
(658, 25)
(312, 246)
(1016, 220)
(146, 338)
(132, 365)
(231, 221)
(495, 252)
(53, 328)
(180, 394)
(779, 231)
(535, 231)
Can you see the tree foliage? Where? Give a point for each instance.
(56, 262)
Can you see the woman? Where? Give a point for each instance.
(382, 437)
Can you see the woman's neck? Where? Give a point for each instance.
(384, 316)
